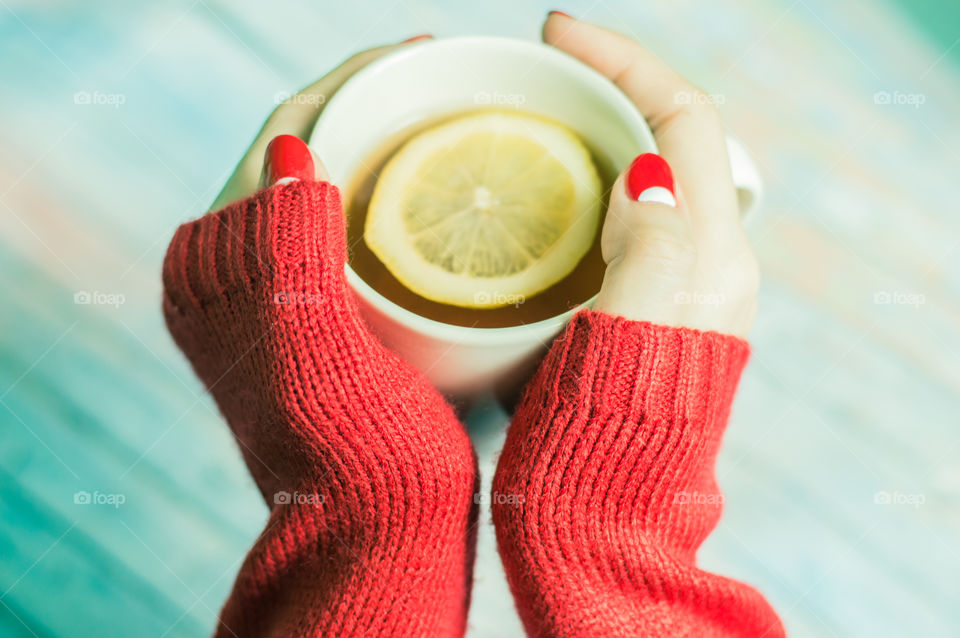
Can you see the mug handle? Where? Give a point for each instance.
(746, 178)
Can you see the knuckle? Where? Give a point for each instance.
(358, 58)
(704, 101)
(692, 103)
(362, 58)
(671, 248)
(277, 117)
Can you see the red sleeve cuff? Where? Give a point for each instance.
(641, 371)
(279, 234)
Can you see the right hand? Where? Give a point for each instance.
(686, 266)
(295, 116)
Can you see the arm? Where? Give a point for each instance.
(610, 456)
(367, 472)
(368, 475)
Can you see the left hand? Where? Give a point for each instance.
(687, 264)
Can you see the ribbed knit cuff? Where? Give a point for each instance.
(642, 371)
(283, 240)
(608, 476)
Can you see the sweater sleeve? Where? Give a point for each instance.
(605, 488)
(368, 475)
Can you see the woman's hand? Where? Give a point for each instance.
(369, 476)
(688, 265)
(296, 116)
(610, 456)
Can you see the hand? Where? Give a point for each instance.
(296, 116)
(369, 476)
(687, 265)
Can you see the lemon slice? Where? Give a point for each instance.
(485, 210)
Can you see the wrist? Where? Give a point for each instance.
(667, 290)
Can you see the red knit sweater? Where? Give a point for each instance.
(370, 478)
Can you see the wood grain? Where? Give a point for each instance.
(851, 398)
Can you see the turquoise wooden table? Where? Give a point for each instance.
(125, 506)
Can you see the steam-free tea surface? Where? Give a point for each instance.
(577, 287)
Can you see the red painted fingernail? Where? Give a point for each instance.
(649, 179)
(561, 13)
(288, 158)
(424, 36)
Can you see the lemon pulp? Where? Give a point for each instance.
(485, 210)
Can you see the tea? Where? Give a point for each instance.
(577, 287)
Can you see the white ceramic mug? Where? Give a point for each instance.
(447, 76)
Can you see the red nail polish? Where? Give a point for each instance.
(649, 179)
(424, 36)
(287, 158)
(561, 13)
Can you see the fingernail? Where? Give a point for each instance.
(423, 36)
(649, 179)
(560, 13)
(287, 159)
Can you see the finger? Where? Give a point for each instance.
(650, 179)
(289, 159)
(644, 200)
(687, 128)
(296, 116)
(650, 254)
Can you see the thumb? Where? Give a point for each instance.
(643, 209)
(650, 179)
(288, 159)
(647, 243)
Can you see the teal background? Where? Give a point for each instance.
(848, 401)
(938, 19)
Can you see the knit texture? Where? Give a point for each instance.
(605, 487)
(369, 476)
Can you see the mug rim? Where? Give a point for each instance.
(593, 79)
